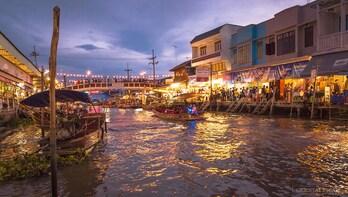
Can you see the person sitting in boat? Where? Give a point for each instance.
(189, 109)
(194, 110)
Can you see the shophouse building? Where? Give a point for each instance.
(330, 60)
(17, 75)
(182, 74)
(274, 53)
(211, 54)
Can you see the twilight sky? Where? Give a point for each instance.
(104, 35)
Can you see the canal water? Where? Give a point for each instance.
(231, 155)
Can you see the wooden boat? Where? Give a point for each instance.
(177, 116)
(83, 138)
(74, 131)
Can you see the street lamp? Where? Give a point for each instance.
(89, 76)
(143, 74)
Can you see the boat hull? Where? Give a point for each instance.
(84, 140)
(179, 116)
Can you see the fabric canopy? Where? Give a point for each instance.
(42, 99)
(187, 96)
(328, 64)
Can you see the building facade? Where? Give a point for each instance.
(17, 75)
(274, 53)
(211, 51)
(330, 60)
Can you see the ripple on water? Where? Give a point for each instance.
(232, 155)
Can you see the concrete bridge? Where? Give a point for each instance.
(104, 86)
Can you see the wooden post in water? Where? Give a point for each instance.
(53, 70)
(272, 101)
(42, 110)
(211, 86)
(314, 90)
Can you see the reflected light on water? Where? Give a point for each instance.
(225, 155)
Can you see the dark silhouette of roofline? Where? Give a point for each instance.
(210, 33)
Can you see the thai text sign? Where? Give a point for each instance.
(202, 74)
(327, 94)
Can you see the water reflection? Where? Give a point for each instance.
(230, 155)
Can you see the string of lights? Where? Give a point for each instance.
(112, 76)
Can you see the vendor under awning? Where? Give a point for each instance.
(328, 64)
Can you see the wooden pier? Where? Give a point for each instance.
(280, 107)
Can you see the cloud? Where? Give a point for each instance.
(106, 37)
(87, 47)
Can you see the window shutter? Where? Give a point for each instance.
(268, 49)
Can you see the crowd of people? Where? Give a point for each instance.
(252, 93)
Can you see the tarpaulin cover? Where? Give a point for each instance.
(42, 99)
(270, 73)
(328, 64)
(100, 97)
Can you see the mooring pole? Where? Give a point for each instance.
(314, 91)
(53, 70)
(211, 86)
(42, 110)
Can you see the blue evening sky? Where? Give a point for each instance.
(104, 35)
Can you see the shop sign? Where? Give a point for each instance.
(270, 73)
(202, 74)
(339, 63)
(192, 80)
(327, 94)
(298, 68)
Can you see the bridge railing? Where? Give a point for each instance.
(110, 85)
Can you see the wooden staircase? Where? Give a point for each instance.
(259, 106)
(239, 103)
(231, 106)
(204, 106)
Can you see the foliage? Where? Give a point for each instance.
(2, 120)
(36, 165)
(69, 160)
(20, 122)
(24, 166)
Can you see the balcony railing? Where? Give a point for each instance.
(333, 41)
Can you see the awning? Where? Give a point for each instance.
(328, 64)
(42, 99)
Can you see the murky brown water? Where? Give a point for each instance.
(224, 155)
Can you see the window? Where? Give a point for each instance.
(270, 47)
(308, 36)
(244, 54)
(203, 50)
(234, 56)
(219, 66)
(340, 22)
(286, 43)
(259, 50)
(217, 46)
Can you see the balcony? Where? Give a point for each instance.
(206, 57)
(333, 41)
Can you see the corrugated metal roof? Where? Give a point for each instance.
(185, 64)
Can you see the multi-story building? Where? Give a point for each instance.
(274, 52)
(211, 50)
(331, 56)
(17, 74)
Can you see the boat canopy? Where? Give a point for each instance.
(188, 96)
(42, 99)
